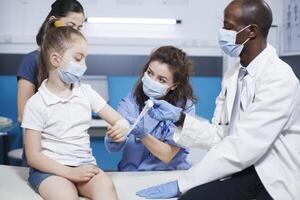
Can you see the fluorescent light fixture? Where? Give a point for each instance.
(119, 20)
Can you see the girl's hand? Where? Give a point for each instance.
(117, 133)
(82, 173)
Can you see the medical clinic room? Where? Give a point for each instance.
(150, 99)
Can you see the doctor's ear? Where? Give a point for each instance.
(253, 31)
(55, 59)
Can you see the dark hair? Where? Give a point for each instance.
(56, 39)
(256, 12)
(181, 67)
(60, 8)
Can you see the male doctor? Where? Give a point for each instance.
(254, 137)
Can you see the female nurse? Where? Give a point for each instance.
(150, 145)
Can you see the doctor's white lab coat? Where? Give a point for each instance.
(267, 135)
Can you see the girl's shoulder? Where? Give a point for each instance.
(83, 86)
(85, 89)
(36, 101)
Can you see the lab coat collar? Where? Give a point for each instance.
(255, 65)
(51, 99)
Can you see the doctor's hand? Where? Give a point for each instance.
(163, 110)
(163, 191)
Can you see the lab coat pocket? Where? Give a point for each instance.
(223, 123)
(221, 117)
(224, 128)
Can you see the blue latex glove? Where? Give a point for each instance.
(139, 130)
(163, 110)
(144, 127)
(163, 191)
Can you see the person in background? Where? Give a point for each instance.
(56, 120)
(254, 137)
(70, 13)
(150, 145)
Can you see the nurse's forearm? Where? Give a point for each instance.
(163, 151)
(25, 90)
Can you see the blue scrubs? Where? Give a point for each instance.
(136, 157)
(28, 68)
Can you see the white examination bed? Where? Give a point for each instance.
(13, 183)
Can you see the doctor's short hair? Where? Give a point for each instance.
(57, 38)
(256, 12)
(60, 8)
(181, 67)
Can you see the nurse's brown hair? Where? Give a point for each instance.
(181, 67)
(60, 8)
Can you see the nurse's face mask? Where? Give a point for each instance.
(227, 42)
(153, 88)
(72, 73)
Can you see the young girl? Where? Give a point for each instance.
(150, 145)
(56, 120)
(70, 13)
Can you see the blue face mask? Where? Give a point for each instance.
(153, 88)
(72, 74)
(227, 42)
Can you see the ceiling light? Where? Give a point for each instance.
(115, 20)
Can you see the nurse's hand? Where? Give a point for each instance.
(162, 110)
(117, 133)
(139, 131)
(163, 191)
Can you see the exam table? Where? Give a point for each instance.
(13, 183)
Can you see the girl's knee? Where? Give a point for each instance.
(105, 180)
(100, 186)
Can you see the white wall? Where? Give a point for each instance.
(198, 33)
